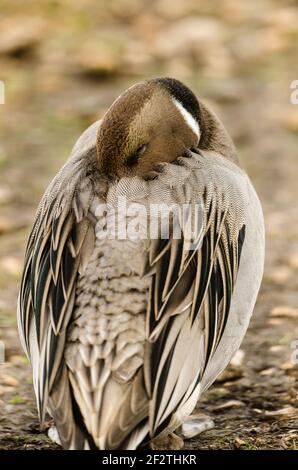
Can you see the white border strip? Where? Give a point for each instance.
(188, 118)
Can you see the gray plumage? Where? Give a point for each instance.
(125, 335)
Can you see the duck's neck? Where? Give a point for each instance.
(214, 136)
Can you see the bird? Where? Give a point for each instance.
(124, 334)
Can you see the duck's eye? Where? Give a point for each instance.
(134, 157)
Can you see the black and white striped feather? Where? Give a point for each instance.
(188, 302)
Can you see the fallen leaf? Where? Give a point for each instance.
(282, 413)
(284, 311)
(239, 442)
(280, 275)
(293, 260)
(290, 121)
(287, 366)
(11, 265)
(20, 35)
(229, 404)
(217, 392)
(275, 321)
(277, 348)
(230, 374)
(6, 389)
(9, 380)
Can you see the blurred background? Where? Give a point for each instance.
(62, 64)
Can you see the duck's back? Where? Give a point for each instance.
(148, 323)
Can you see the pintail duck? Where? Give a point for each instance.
(125, 334)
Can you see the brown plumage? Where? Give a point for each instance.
(144, 127)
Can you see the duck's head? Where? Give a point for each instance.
(154, 121)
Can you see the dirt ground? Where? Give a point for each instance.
(62, 64)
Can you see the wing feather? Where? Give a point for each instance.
(55, 253)
(189, 303)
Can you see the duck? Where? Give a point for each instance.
(125, 333)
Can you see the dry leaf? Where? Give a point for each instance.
(229, 404)
(284, 311)
(9, 380)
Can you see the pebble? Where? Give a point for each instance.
(9, 380)
(53, 435)
(196, 424)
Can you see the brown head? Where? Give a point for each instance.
(154, 121)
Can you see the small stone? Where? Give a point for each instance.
(237, 359)
(53, 435)
(9, 408)
(196, 424)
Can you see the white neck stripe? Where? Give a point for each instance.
(189, 119)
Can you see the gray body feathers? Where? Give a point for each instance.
(124, 335)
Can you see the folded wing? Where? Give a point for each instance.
(189, 305)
